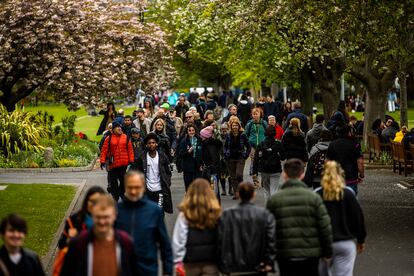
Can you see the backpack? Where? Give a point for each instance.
(269, 157)
(250, 126)
(318, 161)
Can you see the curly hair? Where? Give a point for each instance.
(333, 182)
(200, 205)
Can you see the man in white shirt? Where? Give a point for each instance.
(155, 166)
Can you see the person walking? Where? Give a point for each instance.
(101, 251)
(317, 159)
(297, 113)
(82, 219)
(109, 116)
(232, 112)
(144, 221)
(267, 161)
(236, 151)
(246, 237)
(224, 167)
(190, 155)
(164, 142)
(304, 230)
(15, 260)
(347, 153)
(244, 109)
(314, 134)
(142, 123)
(210, 154)
(194, 239)
(155, 165)
(181, 108)
(347, 221)
(255, 132)
(116, 155)
(293, 141)
(278, 129)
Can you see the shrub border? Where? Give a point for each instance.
(89, 167)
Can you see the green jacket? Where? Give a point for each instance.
(303, 226)
(255, 132)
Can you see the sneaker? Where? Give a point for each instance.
(223, 194)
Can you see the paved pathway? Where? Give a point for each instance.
(388, 208)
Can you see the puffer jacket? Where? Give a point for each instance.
(304, 226)
(255, 132)
(246, 238)
(122, 153)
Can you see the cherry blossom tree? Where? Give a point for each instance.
(84, 51)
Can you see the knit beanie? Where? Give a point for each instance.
(206, 132)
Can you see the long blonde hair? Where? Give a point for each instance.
(200, 205)
(333, 182)
(294, 125)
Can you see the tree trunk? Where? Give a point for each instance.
(330, 100)
(377, 85)
(327, 76)
(306, 90)
(374, 107)
(402, 77)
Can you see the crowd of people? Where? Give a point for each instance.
(312, 223)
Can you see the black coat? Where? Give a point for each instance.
(268, 156)
(165, 176)
(104, 121)
(210, 154)
(29, 264)
(189, 162)
(294, 146)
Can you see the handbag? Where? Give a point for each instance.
(60, 258)
(3, 268)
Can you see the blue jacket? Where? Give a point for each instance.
(297, 113)
(144, 221)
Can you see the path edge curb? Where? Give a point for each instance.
(89, 167)
(49, 258)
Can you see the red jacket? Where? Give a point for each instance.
(122, 153)
(279, 132)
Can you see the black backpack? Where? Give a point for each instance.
(269, 157)
(318, 161)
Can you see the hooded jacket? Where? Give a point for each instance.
(313, 135)
(244, 108)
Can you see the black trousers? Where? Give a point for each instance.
(116, 181)
(308, 267)
(189, 177)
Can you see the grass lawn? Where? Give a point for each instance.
(84, 123)
(43, 205)
(57, 110)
